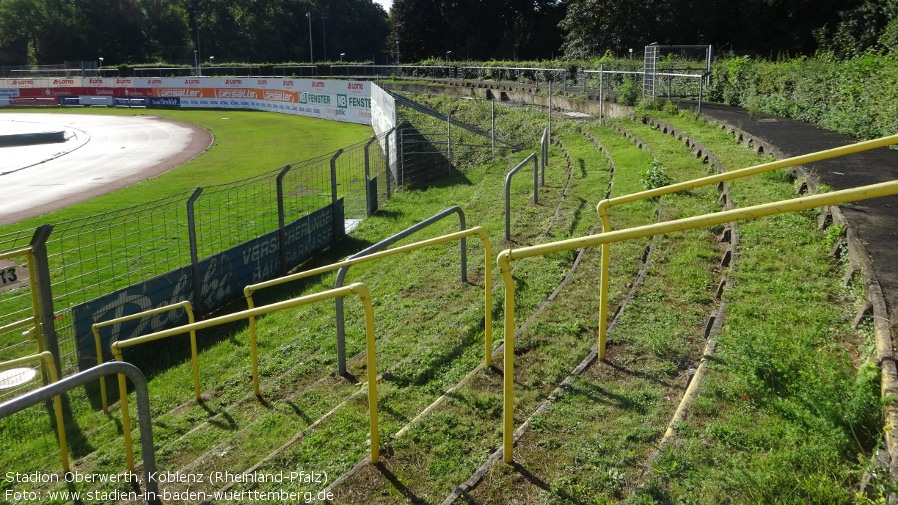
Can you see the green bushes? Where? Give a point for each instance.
(857, 96)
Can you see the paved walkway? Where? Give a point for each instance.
(876, 220)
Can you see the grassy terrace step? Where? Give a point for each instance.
(788, 412)
(450, 442)
(595, 438)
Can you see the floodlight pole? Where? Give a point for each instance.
(196, 53)
(311, 54)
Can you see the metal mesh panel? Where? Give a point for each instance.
(306, 187)
(350, 174)
(98, 255)
(230, 214)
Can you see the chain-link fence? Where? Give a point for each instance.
(206, 245)
(128, 260)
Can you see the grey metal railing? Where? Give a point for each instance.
(341, 274)
(514, 170)
(62, 386)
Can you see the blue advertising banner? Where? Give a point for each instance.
(165, 102)
(166, 289)
(222, 279)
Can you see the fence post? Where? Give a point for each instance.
(550, 112)
(370, 196)
(544, 154)
(389, 170)
(45, 293)
(449, 140)
(493, 128)
(701, 85)
(401, 146)
(282, 220)
(199, 306)
(601, 95)
(338, 227)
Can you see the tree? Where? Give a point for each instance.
(476, 29)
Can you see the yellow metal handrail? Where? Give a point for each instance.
(358, 289)
(487, 286)
(603, 206)
(46, 358)
(505, 258)
(140, 340)
(35, 320)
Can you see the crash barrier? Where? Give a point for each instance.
(143, 411)
(141, 340)
(46, 359)
(508, 177)
(487, 286)
(358, 289)
(507, 256)
(605, 205)
(341, 274)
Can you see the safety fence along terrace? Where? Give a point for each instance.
(202, 247)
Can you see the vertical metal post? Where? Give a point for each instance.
(45, 293)
(198, 304)
(601, 95)
(701, 85)
(370, 205)
(282, 221)
(401, 146)
(535, 181)
(493, 128)
(550, 112)
(389, 170)
(338, 227)
(449, 139)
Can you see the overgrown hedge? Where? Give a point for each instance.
(857, 97)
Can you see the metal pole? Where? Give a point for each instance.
(282, 220)
(550, 111)
(194, 252)
(45, 293)
(311, 54)
(701, 85)
(508, 193)
(370, 206)
(493, 128)
(324, 36)
(449, 139)
(601, 94)
(389, 170)
(339, 228)
(197, 53)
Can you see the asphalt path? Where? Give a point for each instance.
(876, 220)
(100, 154)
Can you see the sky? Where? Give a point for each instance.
(385, 3)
